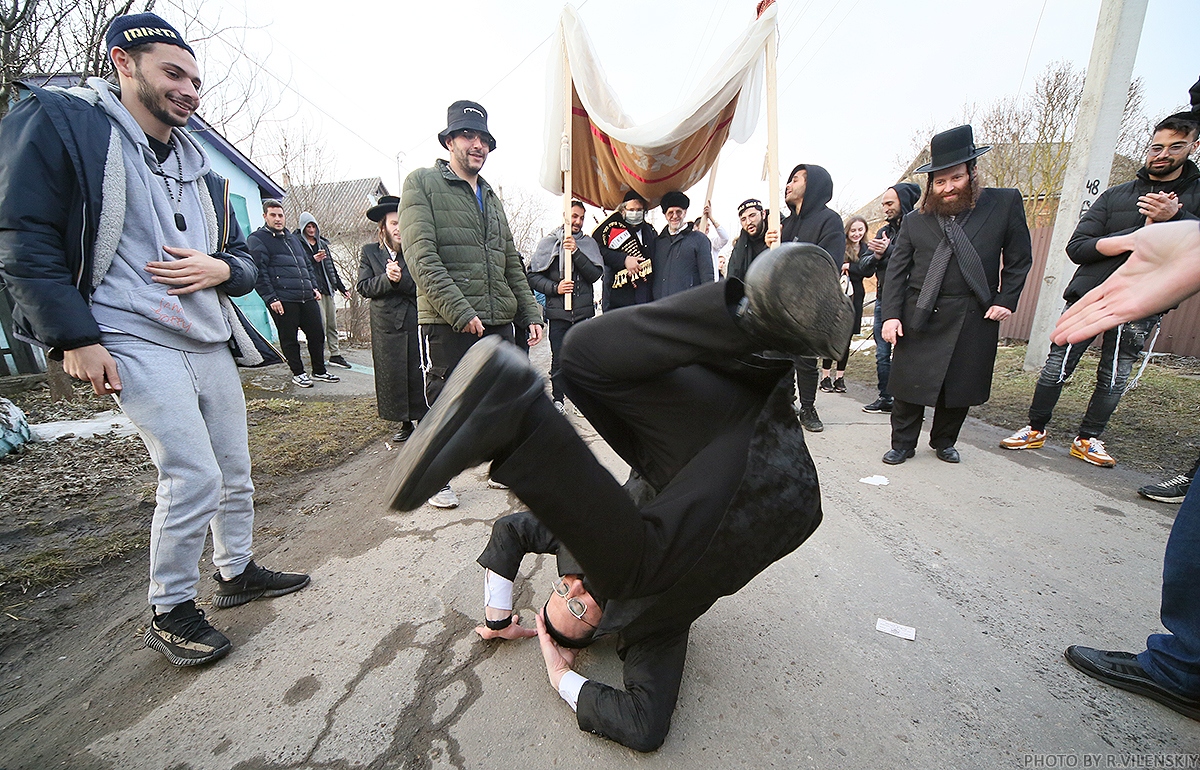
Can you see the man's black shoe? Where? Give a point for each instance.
(1122, 669)
(402, 435)
(897, 456)
(477, 413)
(793, 302)
(339, 361)
(826, 385)
(878, 406)
(948, 455)
(255, 583)
(810, 420)
(185, 637)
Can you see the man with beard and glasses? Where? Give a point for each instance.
(810, 220)
(679, 388)
(120, 255)
(897, 201)
(1167, 188)
(470, 279)
(626, 243)
(956, 271)
(682, 254)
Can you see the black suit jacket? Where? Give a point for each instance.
(957, 347)
(393, 305)
(776, 507)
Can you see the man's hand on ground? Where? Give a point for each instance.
(514, 630)
(535, 334)
(558, 659)
(474, 326)
(94, 364)
(190, 271)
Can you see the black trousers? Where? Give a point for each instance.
(306, 316)
(806, 380)
(558, 334)
(441, 350)
(907, 419)
(676, 407)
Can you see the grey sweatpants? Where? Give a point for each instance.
(191, 413)
(329, 320)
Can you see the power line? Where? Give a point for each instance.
(1032, 40)
(828, 37)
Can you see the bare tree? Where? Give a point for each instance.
(30, 42)
(529, 217)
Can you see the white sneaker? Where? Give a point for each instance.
(562, 409)
(493, 484)
(327, 377)
(445, 498)
(302, 380)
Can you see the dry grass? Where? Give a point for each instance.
(1156, 429)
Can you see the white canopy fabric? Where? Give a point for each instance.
(687, 137)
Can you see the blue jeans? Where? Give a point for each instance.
(1118, 353)
(1173, 659)
(883, 354)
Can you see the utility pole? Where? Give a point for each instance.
(1105, 89)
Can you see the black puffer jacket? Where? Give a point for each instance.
(815, 222)
(284, 269)
(584, 273)
(1115, 213)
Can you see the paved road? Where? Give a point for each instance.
(999, 563)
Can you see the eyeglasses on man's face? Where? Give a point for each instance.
(1176, 149)
(575, 605)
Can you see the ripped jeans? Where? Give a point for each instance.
(1118, 353)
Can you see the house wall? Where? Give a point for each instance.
(249, 215)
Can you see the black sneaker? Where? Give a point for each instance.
(185, 637)
(1169, 491)
(826, 385)
(839, 385)
(338, 361)
(255, 583)
(811, 420)
(1122, 669)
(878, 406)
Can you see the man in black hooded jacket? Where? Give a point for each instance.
(810, 220)
(897, 201)
(751, 242)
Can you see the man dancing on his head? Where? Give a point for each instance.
(700, 415)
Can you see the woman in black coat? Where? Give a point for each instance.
(853, 267)
(384, 279)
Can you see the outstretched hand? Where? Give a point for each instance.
(1162, 271)
(559, 660)
(514, 630)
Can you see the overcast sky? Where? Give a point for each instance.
(857, 79)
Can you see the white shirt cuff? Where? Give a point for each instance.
(497, 591)
(569, 687)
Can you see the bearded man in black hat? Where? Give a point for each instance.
(470, 278)
(384, 279)
(682, 254)
(956, 271)
(626, 243)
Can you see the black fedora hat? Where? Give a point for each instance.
(465, 115)
(386, 205)
(951, 147)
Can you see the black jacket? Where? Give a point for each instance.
(815, 222)
(908, 193)
(584, 274)
(324, 272)
(957, 346)
(393, 305)
(744, 250)
(681, 261)
(1115, 213)
(614, 262)
(53, 148)
(284, 269)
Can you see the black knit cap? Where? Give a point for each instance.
(141, 28)
(674, 198)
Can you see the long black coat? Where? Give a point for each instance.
(395, 348)
(957, 347)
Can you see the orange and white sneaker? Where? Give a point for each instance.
(1092, 450)
(1025, 438)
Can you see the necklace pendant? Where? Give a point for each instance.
(180, 222)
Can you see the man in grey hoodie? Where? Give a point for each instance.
(328, 281)
(131, 289)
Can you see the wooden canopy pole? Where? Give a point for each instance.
(772, 132)
(568, 104)
(712, 183)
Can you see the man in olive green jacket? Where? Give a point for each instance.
(470, 278)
